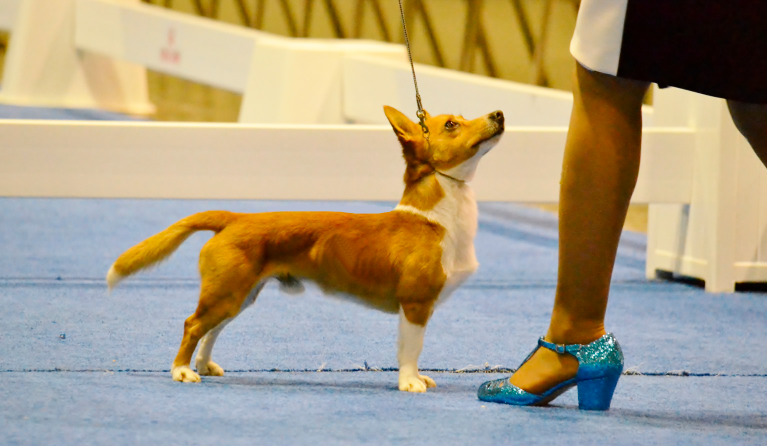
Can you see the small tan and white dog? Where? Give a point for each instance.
(405, 261)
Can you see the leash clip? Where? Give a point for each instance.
(422, 122)
(421, 114)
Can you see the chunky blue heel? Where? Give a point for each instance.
(600, 365)
(596, 394)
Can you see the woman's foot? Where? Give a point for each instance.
(545, 368)
(600, 364)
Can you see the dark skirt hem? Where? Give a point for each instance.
(713, 47)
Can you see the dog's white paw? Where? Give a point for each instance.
(209, 369)
(185, 374)
(428, 381)
(415, 384)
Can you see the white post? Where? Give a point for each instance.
(43, 67)
(719, 237)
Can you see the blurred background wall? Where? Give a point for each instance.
(521, 40)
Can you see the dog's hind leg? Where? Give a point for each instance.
(196, 326)
(203, 362)
(227, 279)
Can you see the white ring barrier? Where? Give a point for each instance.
(257, 161)
(44, 68)
(282, 79)
(721, 236)
(201, 50)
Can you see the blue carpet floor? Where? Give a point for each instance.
(365, 408)
(80, 366)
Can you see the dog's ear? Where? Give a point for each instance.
(403, 127)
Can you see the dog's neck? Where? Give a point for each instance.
(451, 204)
(427, 189)
(449, 177)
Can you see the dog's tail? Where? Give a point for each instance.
(159, 246)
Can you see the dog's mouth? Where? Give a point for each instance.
(491, 140)
(500, 127)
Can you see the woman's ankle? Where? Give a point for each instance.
(568, 332)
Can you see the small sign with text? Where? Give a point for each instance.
(169, 53)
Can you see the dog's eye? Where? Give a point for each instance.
(450, 125)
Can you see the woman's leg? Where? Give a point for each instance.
(751, 121)
(599, 173)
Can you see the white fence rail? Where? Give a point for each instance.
(361, 162)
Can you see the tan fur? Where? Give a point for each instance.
(391, 261)
(424, 194)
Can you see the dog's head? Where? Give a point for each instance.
(454, 147)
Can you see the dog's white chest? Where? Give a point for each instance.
(457, 213)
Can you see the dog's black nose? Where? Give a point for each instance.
(497, 116)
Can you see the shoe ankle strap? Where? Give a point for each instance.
(560, 348)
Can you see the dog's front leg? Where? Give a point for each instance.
(409, 349)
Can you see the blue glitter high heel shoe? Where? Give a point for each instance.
(599, 366)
